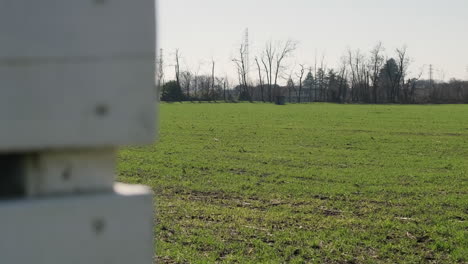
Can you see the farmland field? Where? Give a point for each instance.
(307, 183)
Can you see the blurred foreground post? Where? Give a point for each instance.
(76, 82)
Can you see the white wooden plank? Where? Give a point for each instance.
(69, 172)
(108, 228)
(76, 73)
(48, 29)
(77, 105)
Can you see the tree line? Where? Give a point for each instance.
(372, 77)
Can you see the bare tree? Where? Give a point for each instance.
(213, 79)
(267, 61)
(315, 74)
(310, 82)
(403, 64)
(225, 82)
(272, 59)
(369, 77)
(300, 76)
(195, 84)
(177, 67)
(353, 73)
(359, 76)
(321, 75)
(286, 50)
(160, 71)
(186, 81)
(343, 82)
(260, 79)
(241, 66)
(409, 89)
(375, 65)
(291, 87)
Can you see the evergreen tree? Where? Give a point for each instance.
(172, 92)
(389, 76)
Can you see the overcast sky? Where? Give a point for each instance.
(435, 32)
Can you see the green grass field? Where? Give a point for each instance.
(310, 183)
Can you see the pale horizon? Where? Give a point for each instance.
(434, 32)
